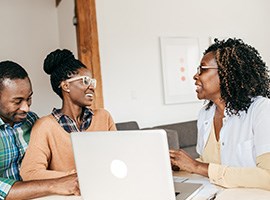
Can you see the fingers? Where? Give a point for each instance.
(173, 157)
(72, 172)
(77, 191)
(173, 153)
(73, 184)
(178, 158)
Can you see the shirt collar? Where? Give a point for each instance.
(18, 124)
(57, 113)
(2, 122)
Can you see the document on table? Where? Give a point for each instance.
(209, 189)
(179, 179)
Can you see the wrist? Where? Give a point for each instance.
(201, 168)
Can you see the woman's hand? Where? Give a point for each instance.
(185, 162)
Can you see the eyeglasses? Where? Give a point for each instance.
(201, 69)
(87, 81)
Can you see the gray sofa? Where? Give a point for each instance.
(180, 135)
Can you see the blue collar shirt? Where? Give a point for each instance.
(13, 143)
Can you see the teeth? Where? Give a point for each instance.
(89, 95)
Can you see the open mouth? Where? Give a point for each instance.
(198, 87)
(89, 95)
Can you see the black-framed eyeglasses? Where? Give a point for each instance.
(201, 68)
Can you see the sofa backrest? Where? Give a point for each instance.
(131, 125)
(187, 132)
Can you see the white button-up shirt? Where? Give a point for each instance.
(242, 137)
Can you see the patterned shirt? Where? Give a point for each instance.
(13, 143)
(69, 124)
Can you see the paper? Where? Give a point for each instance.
(208, 189)
(179, 179)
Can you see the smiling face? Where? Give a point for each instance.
(15, 100)
(79, 93)
(208, 83)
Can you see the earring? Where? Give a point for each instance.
(68, 90)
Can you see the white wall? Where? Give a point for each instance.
(67, 31)
(129, 34)
(29, 30)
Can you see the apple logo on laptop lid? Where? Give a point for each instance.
(119, 169)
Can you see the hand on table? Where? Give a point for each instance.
(67, 185)
(185, 162)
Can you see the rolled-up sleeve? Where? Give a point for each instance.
(252, 177)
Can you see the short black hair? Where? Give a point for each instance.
(61, 65)
(242, 72)
(11, 70)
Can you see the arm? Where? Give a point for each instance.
(32, 189)
(36, 162)
(35, 166)
(255, 177)
(112, 126)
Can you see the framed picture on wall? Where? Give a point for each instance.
(180, 58)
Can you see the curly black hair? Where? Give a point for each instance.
(242, 73)
(61, 65)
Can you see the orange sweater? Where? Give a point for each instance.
(50, 154)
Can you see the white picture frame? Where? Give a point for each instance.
(180, 58)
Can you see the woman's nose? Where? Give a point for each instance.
(195, 77)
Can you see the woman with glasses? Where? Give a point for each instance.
(233, 126)
(49, 154)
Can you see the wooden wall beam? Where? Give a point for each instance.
(57, 2)
(87, 41)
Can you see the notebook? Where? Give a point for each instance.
(123, 165)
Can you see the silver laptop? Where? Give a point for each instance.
(123, 165)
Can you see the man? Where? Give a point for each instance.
(16, 122)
